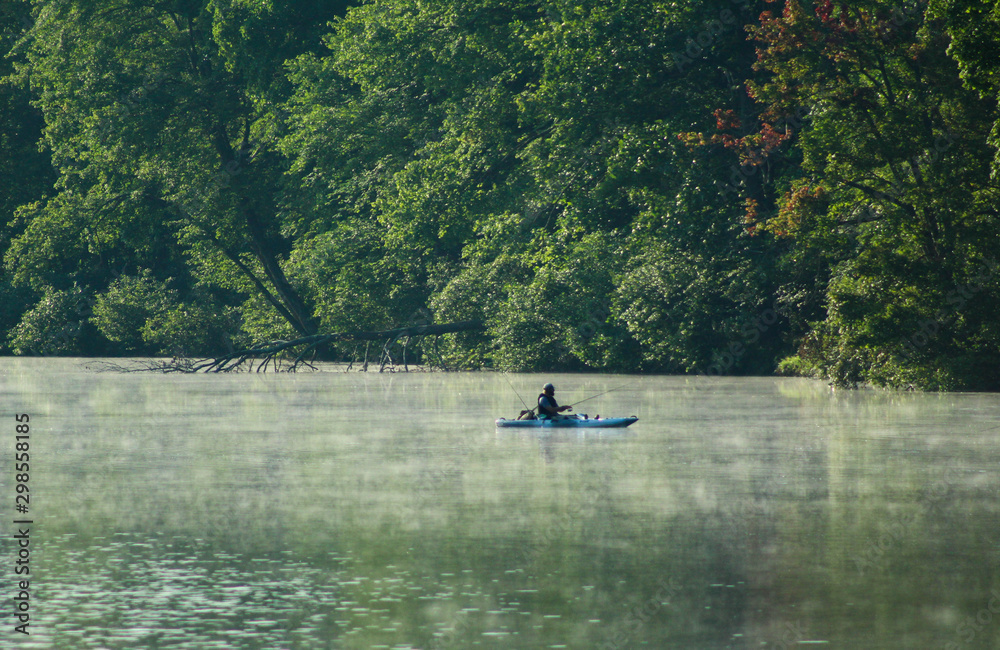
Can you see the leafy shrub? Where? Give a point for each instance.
(121, 312)
(57, 325)
(190, 330)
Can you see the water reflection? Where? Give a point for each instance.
(336, 510)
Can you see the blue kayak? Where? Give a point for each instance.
(569, 422)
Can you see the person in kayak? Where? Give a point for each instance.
(548, 408)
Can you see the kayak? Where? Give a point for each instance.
(571, 422)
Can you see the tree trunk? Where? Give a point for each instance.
(268, 258)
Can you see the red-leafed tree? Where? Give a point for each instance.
(894, 193)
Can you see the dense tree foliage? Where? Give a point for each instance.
(161, 122)
(894, 190)
(25, 171)
(695, 186)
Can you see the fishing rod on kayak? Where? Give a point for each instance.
(599, 394)
(529, 410)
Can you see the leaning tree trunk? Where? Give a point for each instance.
(268, 258)
(235, 167)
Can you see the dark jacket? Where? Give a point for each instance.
(547, 412)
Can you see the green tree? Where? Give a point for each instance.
(403, 139)
(25, 170)
(520, 159)
(161, 118)
(625, 80)
(893, 192)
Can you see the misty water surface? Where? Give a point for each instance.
(358, 510)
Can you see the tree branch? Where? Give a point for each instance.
(270, 351)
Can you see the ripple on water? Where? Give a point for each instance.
(140, 591)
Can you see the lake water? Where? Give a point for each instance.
(365, 510)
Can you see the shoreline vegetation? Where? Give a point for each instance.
(709, 188)
(394, 365)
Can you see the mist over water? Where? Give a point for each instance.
(359, 510)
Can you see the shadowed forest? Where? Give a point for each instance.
(720, 187)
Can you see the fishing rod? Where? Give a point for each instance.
(530, 410)
(599, 394)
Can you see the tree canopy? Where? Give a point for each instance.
(720, 186)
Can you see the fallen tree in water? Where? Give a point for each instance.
(305, 348)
